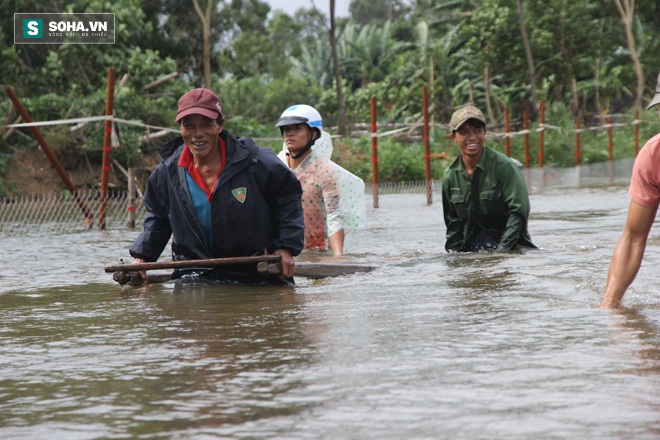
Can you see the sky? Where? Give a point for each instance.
(290, 6)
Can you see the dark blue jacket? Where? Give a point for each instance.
(270, 216)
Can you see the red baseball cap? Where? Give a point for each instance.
(199, 102)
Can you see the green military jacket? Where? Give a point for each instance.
(495, 199)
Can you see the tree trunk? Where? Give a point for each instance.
(206, 26)
(599, 107)
(489, 106)
(627, 11)
(528, 52)
(575, 102)
(341, 107)
(575, 99)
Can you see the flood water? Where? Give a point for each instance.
(429, 346)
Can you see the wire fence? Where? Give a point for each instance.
(61, 213)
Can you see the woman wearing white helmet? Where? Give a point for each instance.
(333, 198)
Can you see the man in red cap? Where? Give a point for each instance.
(218, 196)
(644, 200)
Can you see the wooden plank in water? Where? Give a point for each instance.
(318, 270)
(129, 273)
(323, 270)
(211, 262)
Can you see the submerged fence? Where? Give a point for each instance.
(60, 213)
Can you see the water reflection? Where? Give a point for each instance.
(244, 346)
(482, 272)
(156, 359)
(634, 325)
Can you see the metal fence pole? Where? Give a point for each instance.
(374, 151)
(107, 147)
(427, 146)
(89, 218)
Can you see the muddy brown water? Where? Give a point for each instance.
(431, 345)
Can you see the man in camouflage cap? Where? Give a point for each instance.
(484, 196)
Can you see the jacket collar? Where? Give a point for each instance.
(457, 164)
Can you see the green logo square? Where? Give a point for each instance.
(33, 28)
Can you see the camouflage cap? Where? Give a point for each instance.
(464, 114)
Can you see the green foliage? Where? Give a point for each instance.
(314, 64)
(369, 51)
(376, 12)
(397, 161)
(244, 127)
(261, 100)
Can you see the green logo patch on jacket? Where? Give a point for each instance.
(240, 193)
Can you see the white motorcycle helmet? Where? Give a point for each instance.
(301, 113)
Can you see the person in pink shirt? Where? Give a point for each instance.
(333, 198)
(645, 197)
